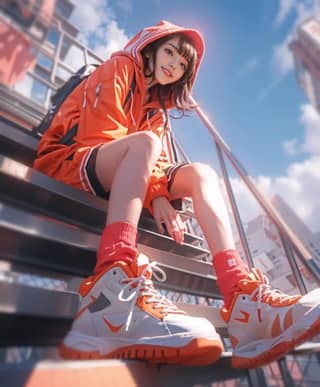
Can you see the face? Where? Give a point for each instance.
(170, 65)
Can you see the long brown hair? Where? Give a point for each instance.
(179, 91)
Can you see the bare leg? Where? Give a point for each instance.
(200, 182)
(124, 167)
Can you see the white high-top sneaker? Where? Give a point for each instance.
(122, 315)
(264, 323)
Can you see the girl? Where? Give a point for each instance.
(121, 115)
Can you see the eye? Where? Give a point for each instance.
(183, 66)
(168, 51)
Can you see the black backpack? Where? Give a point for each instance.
(59, 97)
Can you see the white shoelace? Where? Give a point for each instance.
(266, 290)
(143, 286)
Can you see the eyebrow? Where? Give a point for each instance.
(172, 45)
(176, 48)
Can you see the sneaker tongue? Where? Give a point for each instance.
(257, 275)
(139, 264)
(251, 281)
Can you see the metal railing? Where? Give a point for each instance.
(291, 244)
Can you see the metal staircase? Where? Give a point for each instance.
(49, 233)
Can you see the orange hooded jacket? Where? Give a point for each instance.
(96, 105)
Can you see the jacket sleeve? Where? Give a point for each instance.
(102, 117)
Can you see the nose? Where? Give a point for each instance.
(173, 63)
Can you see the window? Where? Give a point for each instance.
(53, 36)
(45, 61)
(32, 88)
(39, 92)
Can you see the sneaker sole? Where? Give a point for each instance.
(199, 352)
(276, 351)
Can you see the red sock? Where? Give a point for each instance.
(230, 269)
(118, 243)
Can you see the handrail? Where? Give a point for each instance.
(222, 148)
(235, 210)
(282, 227)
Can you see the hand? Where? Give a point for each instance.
(163, 212)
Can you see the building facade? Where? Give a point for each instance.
(306, 53)
(39, 51)
(268, 253)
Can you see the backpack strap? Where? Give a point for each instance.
(68, 140)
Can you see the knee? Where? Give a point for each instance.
(150, 144)
(202, 174)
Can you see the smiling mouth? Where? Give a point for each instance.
(166, 72)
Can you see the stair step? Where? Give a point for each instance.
(20, 145)
(114, 373)
(29, 189)
(35, 315)
(17, 142)
(50, 245)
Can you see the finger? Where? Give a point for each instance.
(181, 223)
(178, 236)
(176, 232)
(158, 221)
(182, 229)
(170, 225)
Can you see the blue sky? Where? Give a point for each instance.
(246, 85)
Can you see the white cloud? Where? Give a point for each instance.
(285, 7)
(291, 147)
(306, 9)
(115, 39)
(98, 26)
(299, 188)
(89, 15)
(249, 66)
(301, 8)
(282, 59)
(310, 119)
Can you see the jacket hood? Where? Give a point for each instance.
(146, 36)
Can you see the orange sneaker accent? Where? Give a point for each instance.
(277, 322)
(113, 328)
(245, 318)
(151, 308)
(233, 340)
(276, 329)
(86, 286)
(288, 319)
(208, 351)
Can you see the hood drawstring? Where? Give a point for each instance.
(131, 111)
(165, 119)
(84, 102)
